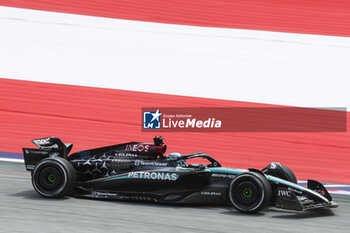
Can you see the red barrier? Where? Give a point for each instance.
(91, 117)
(325, 17)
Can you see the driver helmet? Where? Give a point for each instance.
(176, 156)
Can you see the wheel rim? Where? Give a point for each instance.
(51, 178)
(247, 192)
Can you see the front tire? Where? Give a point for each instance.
(54, 177)
(250, 192)
(280, 171)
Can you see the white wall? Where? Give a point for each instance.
(256, 66)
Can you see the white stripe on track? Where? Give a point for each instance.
(336, 185)
(340, 192)
(247, 65)
(12, 160)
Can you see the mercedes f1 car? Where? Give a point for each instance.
(141, 171)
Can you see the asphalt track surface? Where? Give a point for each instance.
(23, 210)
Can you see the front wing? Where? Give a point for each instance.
(295, 197)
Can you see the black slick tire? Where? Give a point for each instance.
(54, 177)
(280, 171)
(249, 192)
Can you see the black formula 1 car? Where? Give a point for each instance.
(141, 171)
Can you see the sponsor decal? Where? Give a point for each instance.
(151, 120)
(284, 193)
(104, 194)
(149, 163)
(153, 175)
(121, 154)
(295, 190)
(222, 175)
(137, 148)
(37, 152)
(211, 193)
(42, 141)
(321, 192)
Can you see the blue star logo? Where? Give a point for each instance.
(151, 120)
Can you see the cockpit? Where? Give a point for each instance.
(194, 160)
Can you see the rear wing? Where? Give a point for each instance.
(48, 147)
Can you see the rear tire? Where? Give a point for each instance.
(54, 177)
(249, 192)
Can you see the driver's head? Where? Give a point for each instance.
(174, 155)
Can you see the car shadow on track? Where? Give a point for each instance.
(155, 204)
(272, 212)
(32, 195)
(269, 212)
(316, 213)
(180, 206)
(234, 212)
